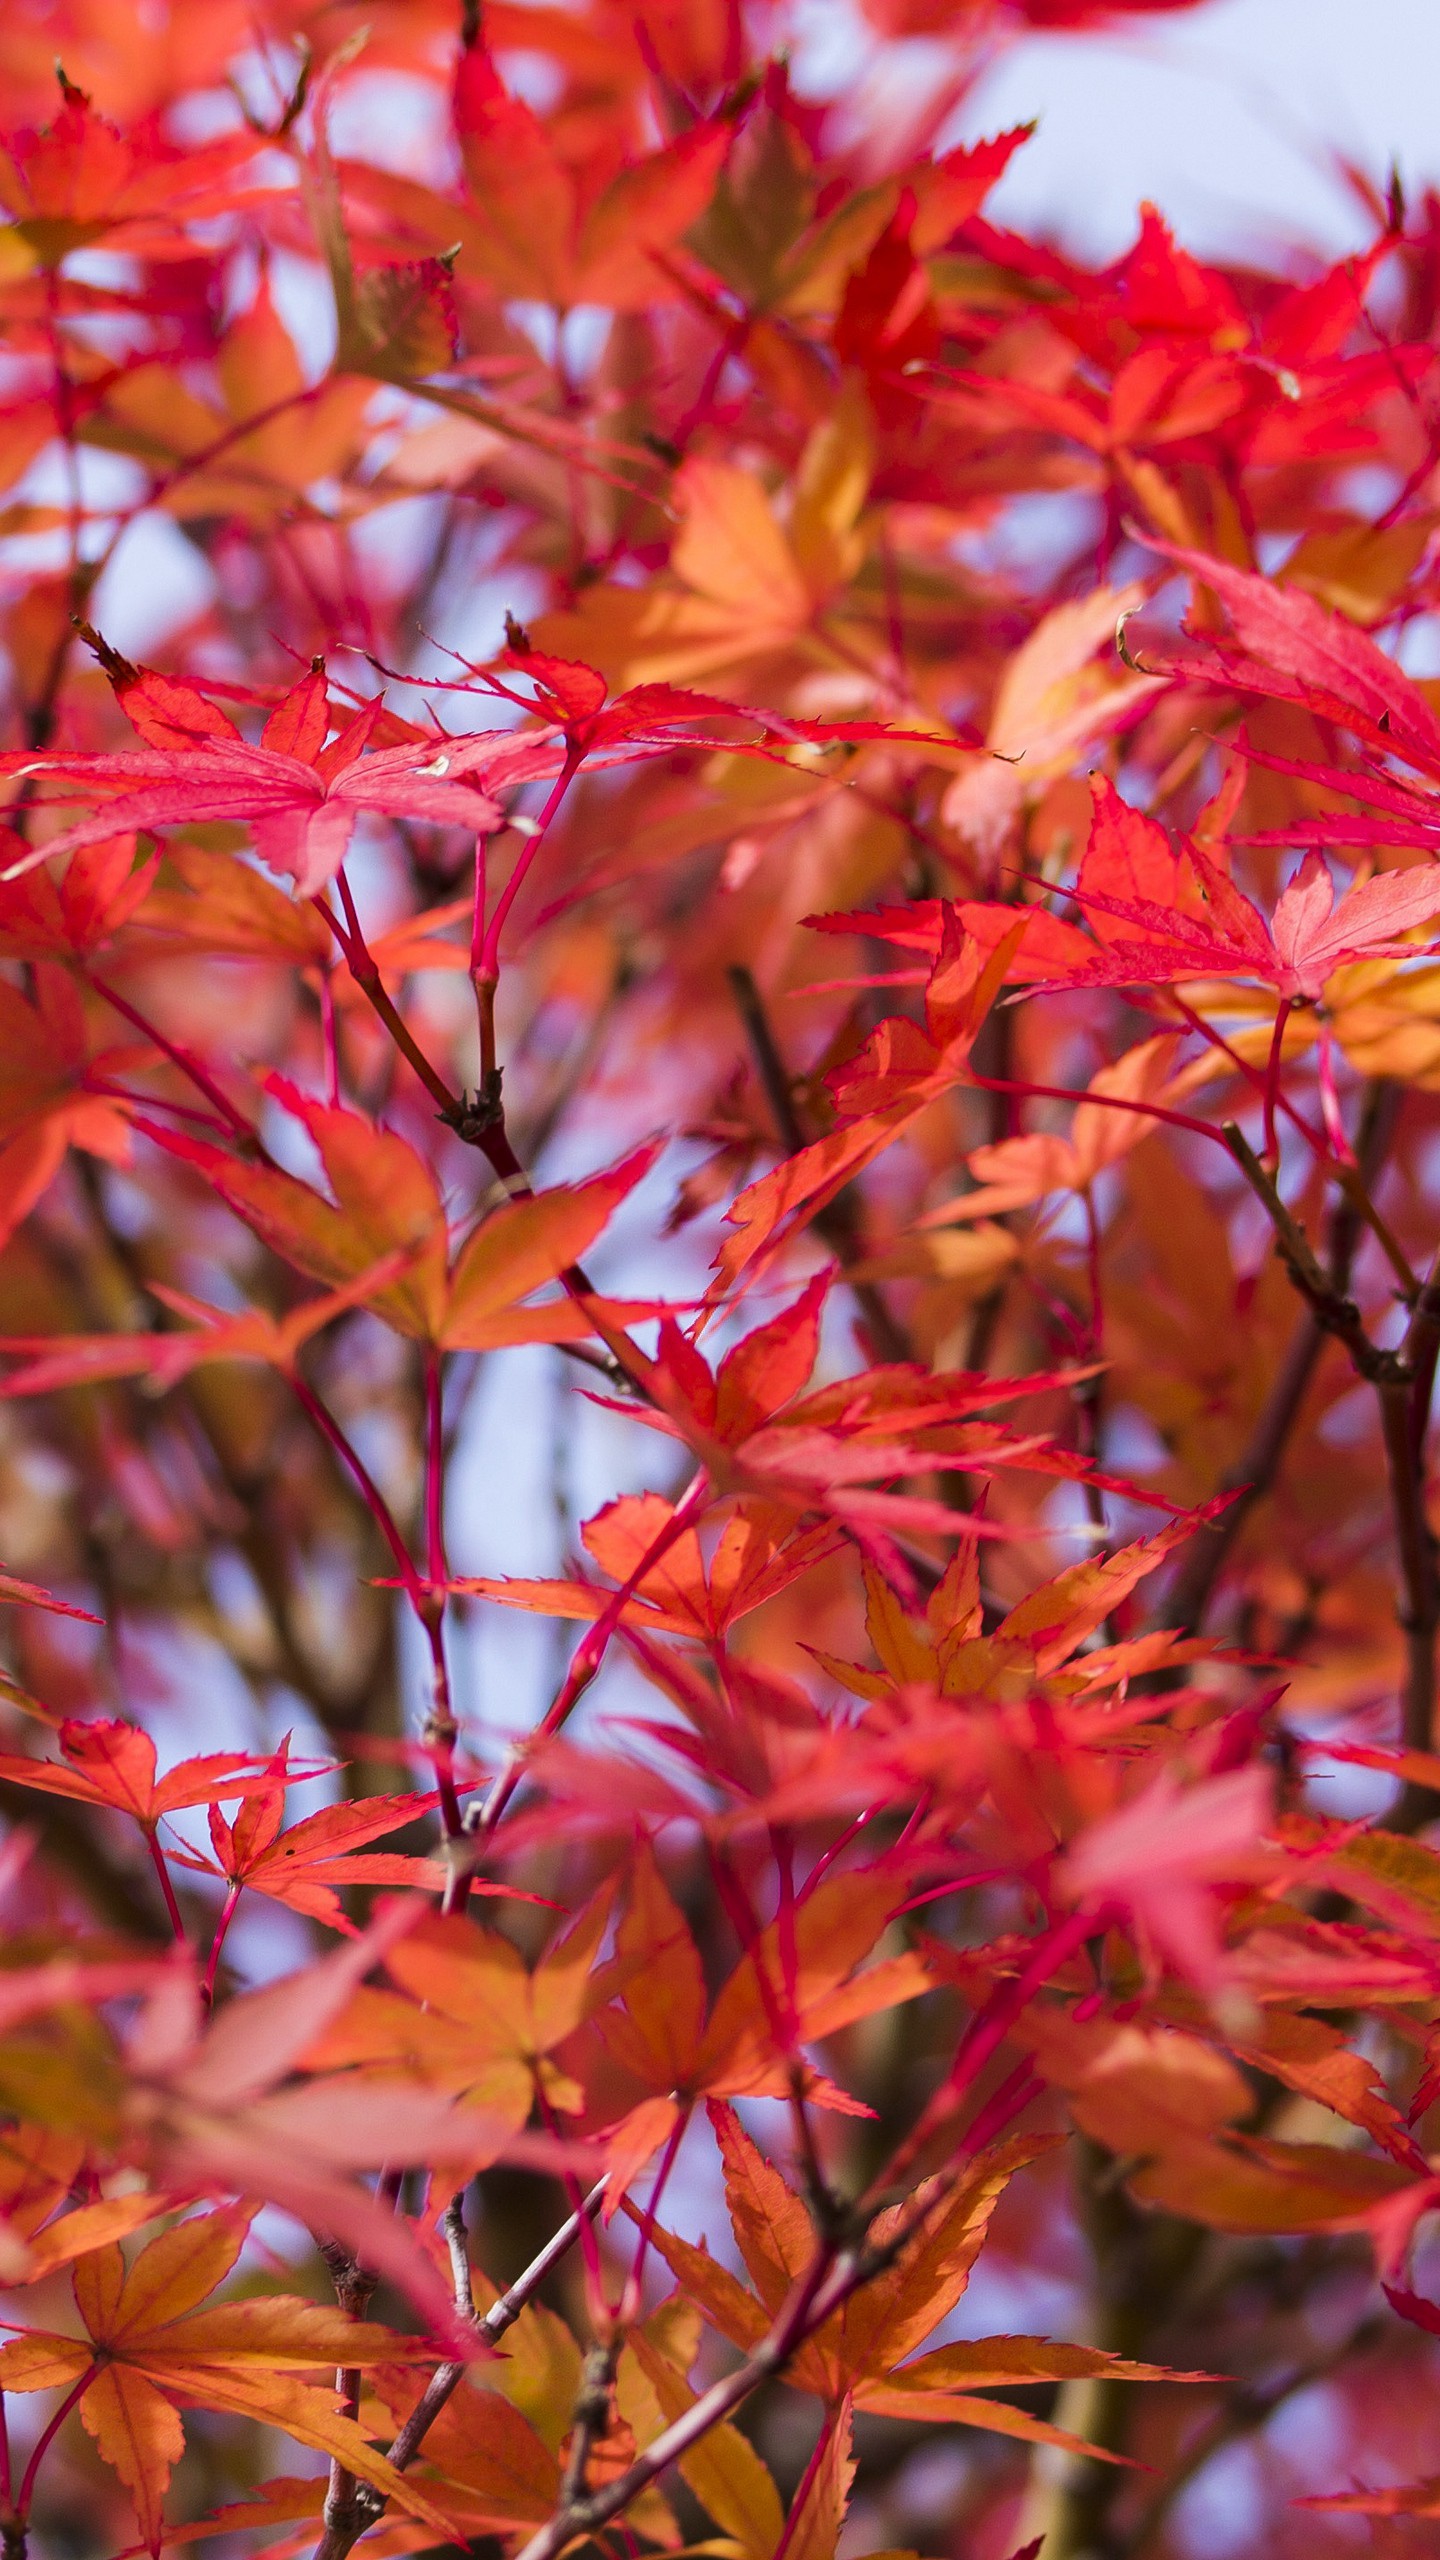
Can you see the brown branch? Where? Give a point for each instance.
(1249, 1480)
(1255, 1471)
(368, 2505)
(1334, 1311)
(1245, 2410)
(837, 1222)
(1419, 1606)
(1422, 1350)
(590, 2418)
(835, 2272)
(1403, 1381)
(1407, 1432)
(1140, 2261)
(478, 1123)
(354, 2286)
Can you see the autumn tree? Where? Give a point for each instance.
(719, 1300)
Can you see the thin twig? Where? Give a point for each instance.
(585, 1662)
(480, 1123)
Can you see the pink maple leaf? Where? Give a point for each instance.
(1156, 1857)
(1312, 936)
(1168, 915)
(300, 796)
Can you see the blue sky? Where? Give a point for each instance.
(1231, 116)
(1228, 117)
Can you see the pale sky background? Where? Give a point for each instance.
(1228, 116)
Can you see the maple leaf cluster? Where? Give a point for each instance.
(719, 1303)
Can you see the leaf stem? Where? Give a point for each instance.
(652, 2207)
(374, 1500)
(585, 1661)
(487, 962)
(366, 974)
(181, 1058)
(162, 1872)
(435, 1564)
(808, 2477)
(222, 1931)
(1107, 1102)
(47, 2437)
(987, 2031)
(1270, 1156)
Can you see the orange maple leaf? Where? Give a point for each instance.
(150, 2349)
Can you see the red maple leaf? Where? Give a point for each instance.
(80, 179)
(300, 796)
(1223, 935)
(301, 1865)
(106, 1762)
